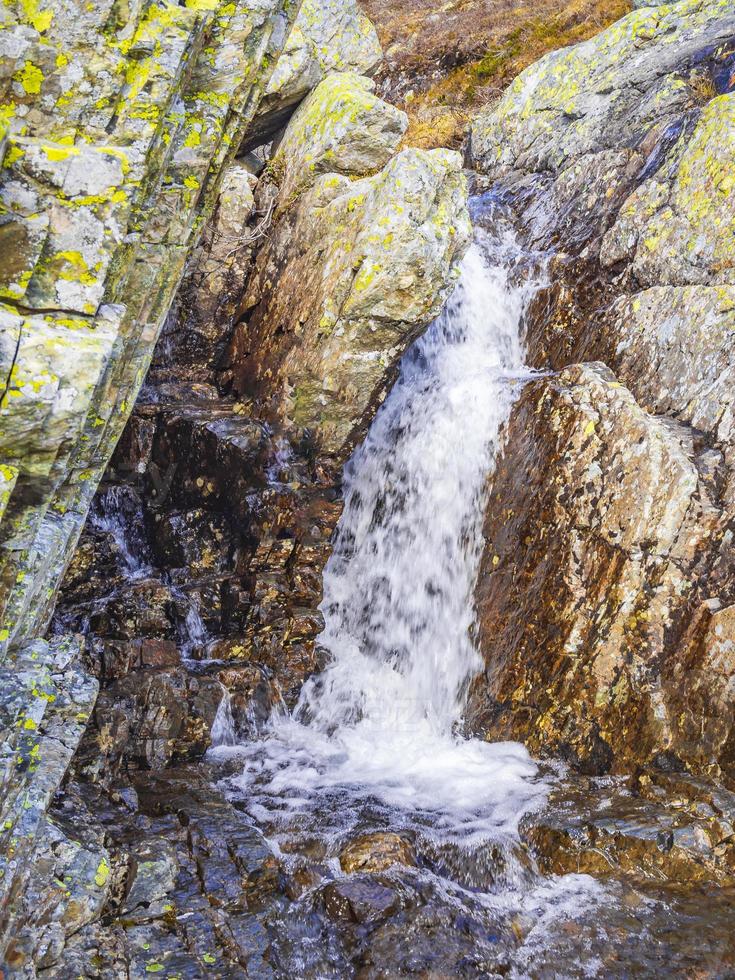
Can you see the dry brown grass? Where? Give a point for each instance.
(445, 60)
(702, 86)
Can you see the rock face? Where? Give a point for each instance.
(197, 581)
(329, 35)
(340, 128)
(605, 593)
(207, 539)
(117, 125)
(579, 588)
(120, 126)
(47, 702)
(366, 264)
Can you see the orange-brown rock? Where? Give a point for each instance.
(376, 852)
(595, 530)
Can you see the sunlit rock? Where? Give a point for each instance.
(340, 128)
(595, 526)
(346, 281)
(376, 852)
(328, 35)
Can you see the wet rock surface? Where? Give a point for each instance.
(604, 646)
(197, 581)
(376, 852)
(577, 592)
(658, 826)
(605, 595)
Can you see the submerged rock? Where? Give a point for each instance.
(365, 901)
(376, 852)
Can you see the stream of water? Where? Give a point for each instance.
(375, 741)
(383, 719)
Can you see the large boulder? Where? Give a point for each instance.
(340, 128)
(604, 94)
(350, 275)
(617, 154)
(596, 519)
(328, 35)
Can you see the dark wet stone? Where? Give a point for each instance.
(672, 828)
(361, 900)
(152, 875)
(153, 717)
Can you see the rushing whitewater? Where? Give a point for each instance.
(381, 722)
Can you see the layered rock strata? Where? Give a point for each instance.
(117, 125)
(214, 521)
(118, 132)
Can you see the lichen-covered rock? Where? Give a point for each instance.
(328, 35)
(617, 153)
(591, 97)
(595, 526)
(46, 703)
(348, 278)
(673, 347)
(69, 887)
(120, 123)
(679, 228)
(341, 127)
(152, 876)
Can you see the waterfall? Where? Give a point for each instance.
(223, 726)
(119, 513)
(380, 726)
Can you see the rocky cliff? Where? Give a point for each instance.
(216, 246)
(605, 601)
(132, 206)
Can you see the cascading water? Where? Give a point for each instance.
(375, 741)
(119, 514)
(380, 724)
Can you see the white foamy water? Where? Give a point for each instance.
(380, 724)
(118, 513)
(223, 727)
